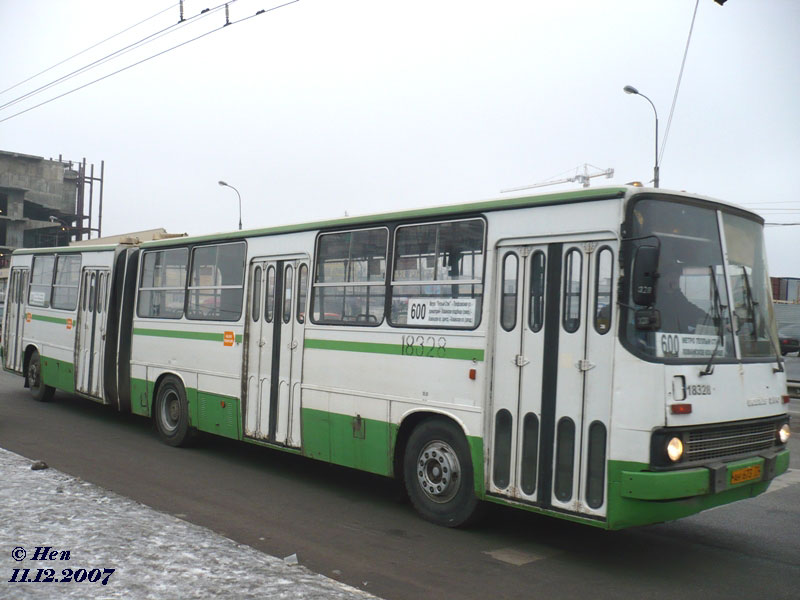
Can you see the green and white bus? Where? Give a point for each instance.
(607, 356)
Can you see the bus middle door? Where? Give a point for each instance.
(90, 340)
(274, 349)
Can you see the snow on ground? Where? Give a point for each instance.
(154, 555)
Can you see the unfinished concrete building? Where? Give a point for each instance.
(42, 202)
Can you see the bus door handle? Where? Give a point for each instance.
(520, 360)
(292, 345)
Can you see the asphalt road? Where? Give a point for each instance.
(356, 527)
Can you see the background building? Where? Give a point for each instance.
(786, 289)
(46, 202)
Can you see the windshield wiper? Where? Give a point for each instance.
(751, 312)
(750, 303)
(717, 318)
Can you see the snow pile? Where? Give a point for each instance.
(154, 555)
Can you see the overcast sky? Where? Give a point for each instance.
(330, 106)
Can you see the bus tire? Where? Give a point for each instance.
(438, 475)
(171, 413)
(40, 391)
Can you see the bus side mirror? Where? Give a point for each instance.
(645, 263)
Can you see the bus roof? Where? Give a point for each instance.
(66, 249)
(585, 195)
(569, 197)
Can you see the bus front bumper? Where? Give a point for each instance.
(701, 481)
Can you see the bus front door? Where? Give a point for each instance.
(14, 323)
(275, 328)
(551, 387)
(91, 335)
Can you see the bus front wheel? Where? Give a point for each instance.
(171, 413)
(437, 470)
(39, 390)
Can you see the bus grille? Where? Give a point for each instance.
(729, 441)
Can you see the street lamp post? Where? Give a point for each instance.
(222, 183)
(629, 89)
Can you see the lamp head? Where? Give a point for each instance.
(222, 183)
(629, 89)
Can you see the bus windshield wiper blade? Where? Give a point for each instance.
(717, 318)
(751, 312)
(750, 303)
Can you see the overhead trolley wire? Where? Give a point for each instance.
(144, 60)
(678, 86)
(127, 29)
(117, 53)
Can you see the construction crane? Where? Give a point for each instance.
(582, 178)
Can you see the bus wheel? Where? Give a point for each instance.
(39, 391)
(438, 473)
(171, 413)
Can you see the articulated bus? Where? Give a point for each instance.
(607, 356)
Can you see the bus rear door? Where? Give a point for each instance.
(14, 326)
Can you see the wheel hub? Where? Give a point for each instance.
(33, 375)
(438, 471)
(171, 412)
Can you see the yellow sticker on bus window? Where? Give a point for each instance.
(228, 338)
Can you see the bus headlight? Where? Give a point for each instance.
(784, 433)
(675, 449)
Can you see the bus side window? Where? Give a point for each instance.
(603, 291)
(41, 285)
(536, 304)
(438, 265)
(287, 294)
(349, 286)
(162, 290)
(269, 308)
(92, 292)
(67, 282)
(302, 292)
(256, 307)
(572, 291)
(508, 302)
(216, 282)
(85, 295)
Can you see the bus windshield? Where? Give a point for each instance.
(696, 317)
(752, 304)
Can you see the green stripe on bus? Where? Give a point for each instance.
(395, 349)
(185, 335)
(46, 319)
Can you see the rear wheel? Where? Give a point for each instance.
(39, 391)
(438, 474)
(171, 413)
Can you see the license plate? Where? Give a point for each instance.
(746, 474)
